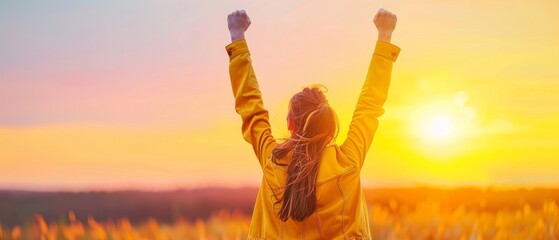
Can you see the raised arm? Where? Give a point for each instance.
(248, 99)
(375, 89)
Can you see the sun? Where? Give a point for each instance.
(437, 135)
(436, 123)
(435, 127)
(438, 127)
(442, 129)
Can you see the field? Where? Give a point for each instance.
(435, 214)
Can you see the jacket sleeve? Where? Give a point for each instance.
(370, 104)
(256, 128)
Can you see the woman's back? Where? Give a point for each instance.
(341, 211)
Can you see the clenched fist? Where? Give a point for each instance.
(238, 22)
(385, 22)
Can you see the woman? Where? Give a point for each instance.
(311, 186)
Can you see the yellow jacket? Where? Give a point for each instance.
(341, 206)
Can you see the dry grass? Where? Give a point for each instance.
(426, 220)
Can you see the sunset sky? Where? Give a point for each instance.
(136, 94)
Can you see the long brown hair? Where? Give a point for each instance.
(315, 125)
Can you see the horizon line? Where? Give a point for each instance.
(239, 187)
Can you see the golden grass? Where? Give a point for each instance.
(426, 220)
